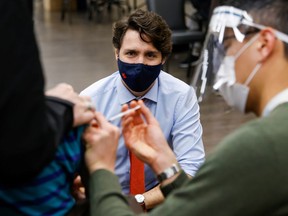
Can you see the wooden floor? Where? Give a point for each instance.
(79, 52)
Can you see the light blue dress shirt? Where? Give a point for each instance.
(173, 103)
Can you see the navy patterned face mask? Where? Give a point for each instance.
(138, 77)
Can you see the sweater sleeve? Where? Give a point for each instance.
(106, 197)
(241, 177)
(177, 183)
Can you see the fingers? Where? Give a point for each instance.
(83, 109)
(133, 104)
(100, 123)
(101, 144)
(65, 86)
(87, 103)
(137, 119)
(89, 134)
(126, 124)
(59, 90)
(101, 120)
(148, 116)
(90, 106)
(78, 191)
(124, 108)
(136, 115)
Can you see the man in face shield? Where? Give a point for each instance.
(247, 173)
(241, 53)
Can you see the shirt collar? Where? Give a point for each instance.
(278, 99)
(126, 96)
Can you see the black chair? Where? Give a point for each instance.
(173, 12)
(98, 6)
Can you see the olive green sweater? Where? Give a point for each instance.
(246, 175)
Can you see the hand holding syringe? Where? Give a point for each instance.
(123, 113)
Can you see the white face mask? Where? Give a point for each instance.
(235, 94)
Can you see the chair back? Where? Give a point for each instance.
(172, 11)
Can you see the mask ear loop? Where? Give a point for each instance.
(246, 46)
(253, 73)
(257, 67)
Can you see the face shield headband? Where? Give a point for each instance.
(213, 53)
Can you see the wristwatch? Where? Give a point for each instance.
(140, 200)
(169, 172)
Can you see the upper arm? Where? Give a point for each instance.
(187, 133)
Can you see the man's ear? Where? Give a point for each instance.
(116, 52)
(266, 43)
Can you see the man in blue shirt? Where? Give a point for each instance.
(142, 43)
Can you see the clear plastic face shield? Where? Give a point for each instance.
(226, 22)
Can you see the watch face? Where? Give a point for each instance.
(139, 198)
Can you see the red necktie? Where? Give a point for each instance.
(137, 175)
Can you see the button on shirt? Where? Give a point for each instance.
(174, 105)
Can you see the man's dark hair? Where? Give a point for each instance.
(151, 27)
(272, 13)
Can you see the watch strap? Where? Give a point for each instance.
(177, 183)
(169, 172)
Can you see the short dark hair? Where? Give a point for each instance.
(151, 27)
(273, 13)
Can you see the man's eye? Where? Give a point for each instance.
(130, 53)
(151, 55)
